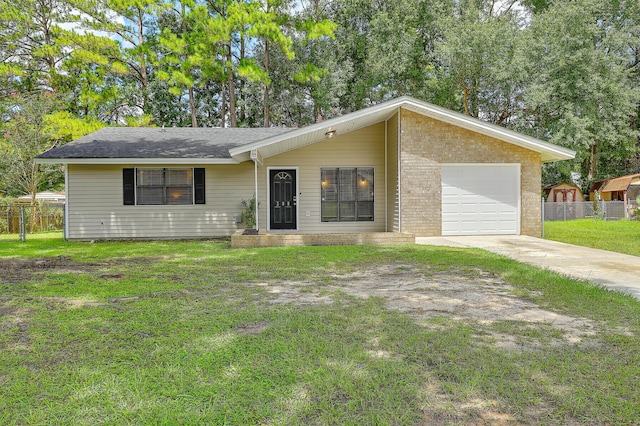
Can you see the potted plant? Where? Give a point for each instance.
(248, 215)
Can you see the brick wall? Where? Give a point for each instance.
(427, 142)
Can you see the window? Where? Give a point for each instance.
(347, 194)
(163, 186)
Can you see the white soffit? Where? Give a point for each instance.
(382, 112)
(316, 132)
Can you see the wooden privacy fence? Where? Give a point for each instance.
(20, 220)
(607, 210)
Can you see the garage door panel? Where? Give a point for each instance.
(478, 207)
(480, 199)
(475, 198)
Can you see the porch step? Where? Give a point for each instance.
(283, 240)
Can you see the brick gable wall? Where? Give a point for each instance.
(426, 143)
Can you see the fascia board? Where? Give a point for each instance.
(549, 152)
(321, 127)
(176, 161)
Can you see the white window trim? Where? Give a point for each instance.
(375, 186)
(135, 186)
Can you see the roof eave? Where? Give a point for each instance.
(387, 109)
(170, 161)
(552, 153)
(548, 152)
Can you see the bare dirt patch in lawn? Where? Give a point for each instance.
(475, 296)
(19, 270)
(422, 293)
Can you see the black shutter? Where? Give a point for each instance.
(129, 187)
(198, 183)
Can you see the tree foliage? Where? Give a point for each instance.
(31, 125)
(581, 86)
(566, 71)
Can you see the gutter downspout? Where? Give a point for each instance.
(65, 229)
(257, 161)
(386, 178)
(255, 177)
(399, 148)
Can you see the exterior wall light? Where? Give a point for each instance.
(329, 134)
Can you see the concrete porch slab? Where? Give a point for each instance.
(265, 239)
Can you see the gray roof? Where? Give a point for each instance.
(232, 146)
(145, 142)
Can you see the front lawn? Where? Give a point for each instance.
(196, 333)
(622, 236)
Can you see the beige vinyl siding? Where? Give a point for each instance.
(96, 210)
(361, 148)
(393, 201)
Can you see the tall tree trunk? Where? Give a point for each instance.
(143, 64)
(192, 106)
(192, 101)
(33, 190)
(144, 79)
(465, 99)
(223, 106)
(267, 107)
(242, 114)
(232, 91)
(49, 59)
(592, 162)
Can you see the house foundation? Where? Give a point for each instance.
(264, 239)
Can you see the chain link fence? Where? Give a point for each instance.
(18, 221)
(607, 210)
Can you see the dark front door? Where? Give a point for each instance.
(283, 199)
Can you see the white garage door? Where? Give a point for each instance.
(479, 199)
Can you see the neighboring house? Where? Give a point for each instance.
(623, 188)
(563, 193)
(51, 198)
(403, 166)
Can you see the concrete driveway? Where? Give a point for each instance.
(615, 271)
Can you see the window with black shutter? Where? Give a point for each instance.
(163, 186)
(129, 187)
(198, 185)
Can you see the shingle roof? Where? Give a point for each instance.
(616, 184)
(144, 142)
(211, 146)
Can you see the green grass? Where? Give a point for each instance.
(53, 235)
(622, 236)
(178, 332)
